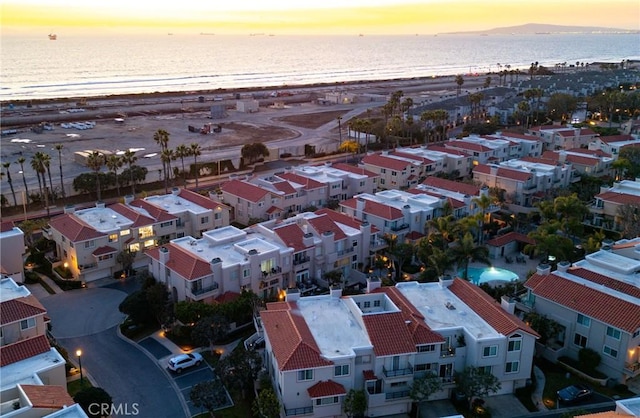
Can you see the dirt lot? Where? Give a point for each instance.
(311, 120)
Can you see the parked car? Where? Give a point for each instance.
(184, 361)
(574, 393)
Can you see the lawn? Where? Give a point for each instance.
(74, 386)
(241, 409)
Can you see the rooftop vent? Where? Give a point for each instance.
(216, 260)
(253, 251)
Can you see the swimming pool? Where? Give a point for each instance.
(487, 274)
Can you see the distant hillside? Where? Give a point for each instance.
(539, 28)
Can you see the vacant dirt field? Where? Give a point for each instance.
(312, 120)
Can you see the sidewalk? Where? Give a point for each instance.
(175, 349)
(39, 291)
(536, 396)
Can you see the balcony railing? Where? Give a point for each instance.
(399, 227)
(397, 395)
(204, 290)
(301, 260)
(345, 251)
(398, 372)
(632, 367)
(447, 351)
(307, 410)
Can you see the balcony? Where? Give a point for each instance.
(396, 395)
(398, 372)
(447, 351)
(632, 368)
(203, 290)
(301, 260)
(345, 251)
(307, 410)
(397, 228)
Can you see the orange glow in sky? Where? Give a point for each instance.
(309, 16)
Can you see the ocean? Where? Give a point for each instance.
(82, 66)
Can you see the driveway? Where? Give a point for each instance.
(88, 319)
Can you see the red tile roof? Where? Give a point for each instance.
(510, 237)
(507, 135)
(306, 182)
(198, 199)
(48, 396)
(323, 223)
(467, 146)
(369, 375)
(386, 161)
(616, 138)
(183, 262)
(157, 213)
(73, 228)
(105, 249)
(488, 309)
(244, 190)
(227, 297)
(600, 305)
(595, 153)
(291, 340)
(454, 186)
(340, 218)
(389, 334)
(451, 151)
(284, 187)
(419, 159)
(138, 218)
(414, 235)
(291, 235)
(582, 160)
(326, 388)
(377, 209)
(15, 310)
(354, 169)
(504, 172)
(420, 332)
(619, 198)
(538, 160)
(24, 349)
(6, 226)
(608, 282)
(273, 209)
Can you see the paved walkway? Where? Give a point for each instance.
(39, 291)
(536, 396)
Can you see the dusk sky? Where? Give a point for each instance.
(308, 16)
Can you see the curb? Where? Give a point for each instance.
(183, 402)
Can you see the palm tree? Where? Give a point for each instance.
(95, 161)
(113, 163)
(181, 152)
(167, 156)
(129, 157)
(459, 83)
(162, 138)
(196, 152)
(21, 161)
(483, 202)
(6, 166)
(466, 251)
(46, 161)
(58, 147)
(38, 167)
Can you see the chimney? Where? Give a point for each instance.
(175, 191)
(563, 266)
(445, 281)
(359, 207)
(335, 292)
(543, 269)
(69, 209)
(128, 199)
(607, 244)
(164, 255)
(307, 239)
(508, 304)
(293, 294)
(100, 204)
(562, 157)
(373, 283)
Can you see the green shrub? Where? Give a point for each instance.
(589, 359)
(31, 278)
(64, 272)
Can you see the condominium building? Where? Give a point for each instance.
(596, 302)
(613, 144)
(557, 137)
(605, 210)
(12, 251)
(320, 347)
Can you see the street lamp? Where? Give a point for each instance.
(79, 354)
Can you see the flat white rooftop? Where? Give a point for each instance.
(627, 187)
(13, 232)
(103, 219)
(333, 326)
(630, 406)
(443, 310)
(614, 262)
(399, 198)
(175, 204)
(25, 371)
(326, 174)
(541, 169)
(9, 290)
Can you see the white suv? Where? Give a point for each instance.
(184, 361)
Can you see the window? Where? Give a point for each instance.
(246, 273)
(367, 304)
(125, 232)
(490, 351)
(366, 359)
(635, 334)
(327, 401)
(27, 323)
(89, 244)
(394, 173)
(105, 257)
(149, 243)
(305, 374)
(145, 232)
(113, 238)
(484, 369)
(383, 170)
(64, 239)
(512, 367)
(135, 247)
(382, 181)
(426, 348)
(376, 303)
(610, 351)
(342, 370)
(583, 320)
(613, 333)
(217, 216)
(514, 345)
(166, 224)
(580, 340)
